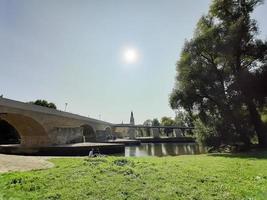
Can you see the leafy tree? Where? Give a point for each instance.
(148, 122)
(206, 134)
(256, 87)
(167, 121)
(44, 103)
(183, 119)
(155, 122)
(212, 71)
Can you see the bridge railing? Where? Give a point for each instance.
(144, 126)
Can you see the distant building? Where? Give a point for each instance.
(122, 132)
(132, 119)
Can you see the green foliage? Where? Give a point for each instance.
(264, 115)
(221, 72)
(155, 122)
(183, 177)
(148, 122)
(183, 119)
(44, 103)
(206, 135)
(167, 121)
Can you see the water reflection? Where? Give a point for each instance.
(163, 149)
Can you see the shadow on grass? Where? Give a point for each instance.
(253, 154)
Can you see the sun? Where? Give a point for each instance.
(130, 55)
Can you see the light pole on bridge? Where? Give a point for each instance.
(66, 104)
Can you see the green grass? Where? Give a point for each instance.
(205, 177)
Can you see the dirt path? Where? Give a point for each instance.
(23, 163)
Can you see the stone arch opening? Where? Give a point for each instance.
(31, 132)
(89, 133)
(8, 134)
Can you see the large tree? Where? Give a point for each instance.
(212, 71)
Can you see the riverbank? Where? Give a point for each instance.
(214, 176)
(10, 163)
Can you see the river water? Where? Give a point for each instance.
(164, 149)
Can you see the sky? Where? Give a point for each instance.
(103, 58)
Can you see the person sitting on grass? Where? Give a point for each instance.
(91, 153)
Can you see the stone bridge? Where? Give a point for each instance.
(41, 126)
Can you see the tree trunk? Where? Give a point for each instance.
(253, 112)
(258, 124)
(230, 117)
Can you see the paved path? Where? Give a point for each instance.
(23, 163)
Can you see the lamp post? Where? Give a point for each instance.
(66, 104)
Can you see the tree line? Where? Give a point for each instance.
(43, 103)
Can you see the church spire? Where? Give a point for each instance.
(132, 118)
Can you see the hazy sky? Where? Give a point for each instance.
(72, 51)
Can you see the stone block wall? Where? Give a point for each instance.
(67, 135)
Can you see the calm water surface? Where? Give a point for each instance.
(164, 149)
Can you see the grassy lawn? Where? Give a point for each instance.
(182, 177)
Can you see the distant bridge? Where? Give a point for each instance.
(146, 126)
(129, 130)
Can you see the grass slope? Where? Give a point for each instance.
(182, 177)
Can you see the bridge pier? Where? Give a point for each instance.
(132, 133)
(66, 135)
(155, 132)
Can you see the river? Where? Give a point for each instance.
(164, 149)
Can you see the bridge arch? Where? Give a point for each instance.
(8, 134)
(89, 133)
(31, 132)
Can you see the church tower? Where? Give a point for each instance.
(132, 119)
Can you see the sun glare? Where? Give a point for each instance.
(130, 55)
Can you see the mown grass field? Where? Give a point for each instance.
(182, 177)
